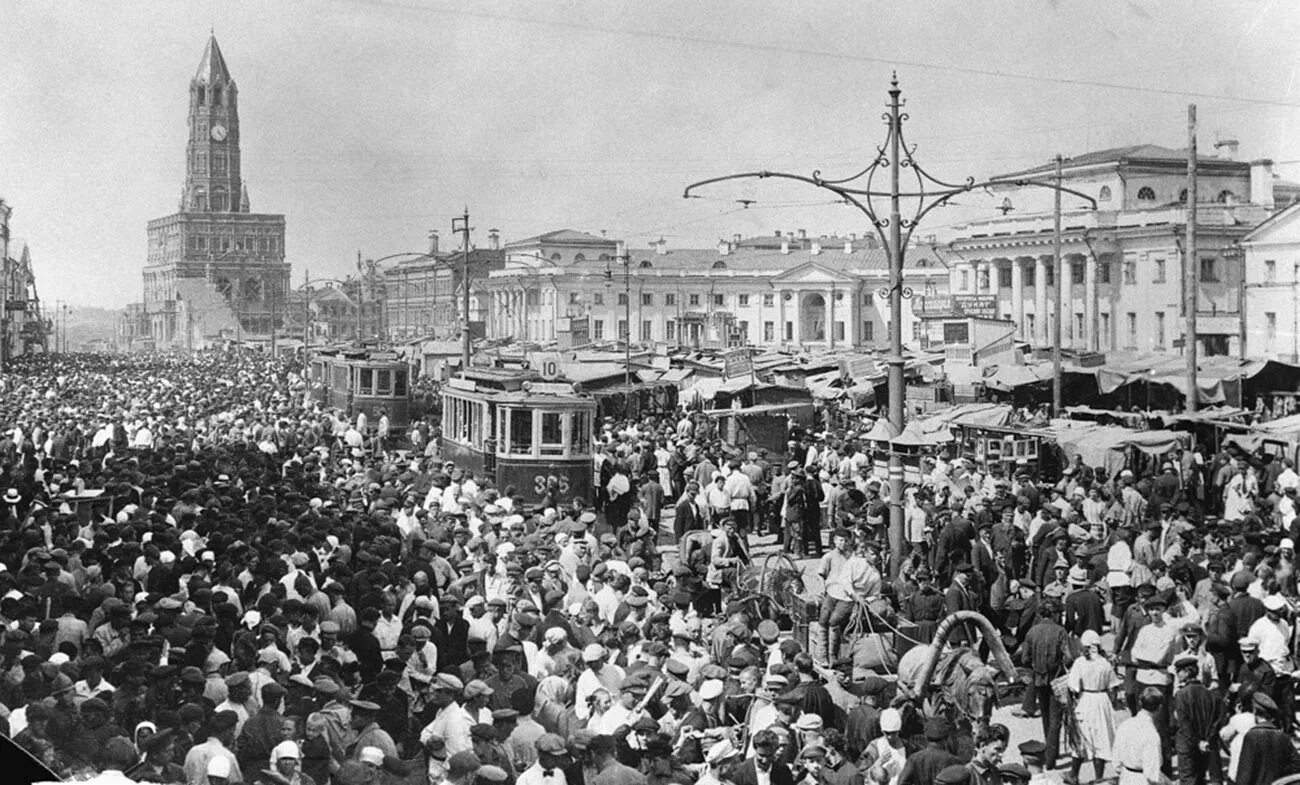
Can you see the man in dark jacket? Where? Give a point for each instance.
(1048, 651)
(1083, 607)
(1196, 726)
(1266, 753)
(764, 760)
(923, 766)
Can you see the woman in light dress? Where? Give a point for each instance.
(1091, 680)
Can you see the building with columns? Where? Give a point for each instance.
(423, 296)
(784, 291)
(1122, 264)
(214, 267)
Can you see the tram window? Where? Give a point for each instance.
(340, 378)
(580, 433)
(552, 433)
(399, 382)
(366, 386)
(521, 431)
(384, 386)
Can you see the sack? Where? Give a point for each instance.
(1061, 690)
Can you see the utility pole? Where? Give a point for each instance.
(306, 318)
(1191, 273)
(361, 293)
(1056, 306)
(274, 299)
(623, 256)
(58, 328)
(464, 282)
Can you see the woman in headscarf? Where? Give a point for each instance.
(554, 711)
(143, 731)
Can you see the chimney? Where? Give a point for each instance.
(724, 248)
(803, 234)
(785, 245)
(1261, 183)
(1226, 148)
(494, 239)
(433, 241)
(735, 240)
(816, 247)
(661, 247)
(778, 232)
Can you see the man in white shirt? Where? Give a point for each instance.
(1273, 634)
(598, 675)
(551, 753)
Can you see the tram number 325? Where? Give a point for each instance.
(542, 482)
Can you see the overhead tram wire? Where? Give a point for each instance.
(796, 50)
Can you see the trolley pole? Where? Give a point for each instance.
(1191, 273)
(895, 229)
(464, 282)
(1056, 303)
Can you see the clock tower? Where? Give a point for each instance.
(212, 182)
(215, 270)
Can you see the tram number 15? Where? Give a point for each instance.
(542, 482)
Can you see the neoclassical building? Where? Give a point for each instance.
(214, 267)
(782, 291)
(1122, 281)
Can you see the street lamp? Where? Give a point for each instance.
(621, 254)
(895, 231)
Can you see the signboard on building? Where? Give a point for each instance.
(982, 305)
(572, 331)
(737, 363)
(857, 368)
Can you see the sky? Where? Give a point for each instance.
(369, 122)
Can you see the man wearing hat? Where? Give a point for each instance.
(1083, 606)
(367, 729)
(220, 741)
(849, 578)
(159, 764)
(1044, 650)
(961, 596)
(1254, 675)
(923, 766)
(551, 755)
(1267, 754)
(1151, 655)
(451, 723)
(1274, 636)
(1195, 736)
(598, 674)
(262, 731)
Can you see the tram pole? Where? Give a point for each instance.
(464, 282)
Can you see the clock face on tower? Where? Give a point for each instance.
(219, 133)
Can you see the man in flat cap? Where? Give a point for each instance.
(220, 742)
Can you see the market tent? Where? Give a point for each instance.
(1218, 378)
(1008, 377)
(1105, 445)
(915, 435)
(978, 415)
(881, 431)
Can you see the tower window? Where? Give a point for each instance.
(1104, 194)
(216, 96)
(219, 201)
(200, 199)
(1146, 194)
(202, 94)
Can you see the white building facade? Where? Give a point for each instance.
(786, 292)
(1272, 313)
(1122, 264)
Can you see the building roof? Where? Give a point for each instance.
(212, 68)
(1137, 152)
(764, 261)
(559, 237)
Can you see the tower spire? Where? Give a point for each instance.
(212, 67)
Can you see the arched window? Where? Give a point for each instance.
(219, 202)
(1146, 194)
(1226, 196)
(719, 265)
(200, 199)
(202, 94)
(1182, 196)
(223, 287)
(645, 264)
(1104, 194)
(605, 257)
(216, 96)
(555, 257)
(579, 258)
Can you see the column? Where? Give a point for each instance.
(797, 335)
(1067, 301)
(1041, 338)
(780, 324)
(1017, 297)
(830, 317)
(1091, 342)
(984, 283)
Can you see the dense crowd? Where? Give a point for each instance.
(209, 578)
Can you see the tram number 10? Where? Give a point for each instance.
(541, 483)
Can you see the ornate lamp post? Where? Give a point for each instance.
(895, 229)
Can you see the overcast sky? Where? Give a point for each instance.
(368, 123)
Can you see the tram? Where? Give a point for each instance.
(363, 380)
(520, 431)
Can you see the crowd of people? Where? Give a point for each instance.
(206, 577)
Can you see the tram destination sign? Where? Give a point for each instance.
(981, 305)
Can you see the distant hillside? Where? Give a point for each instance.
(84, 324)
